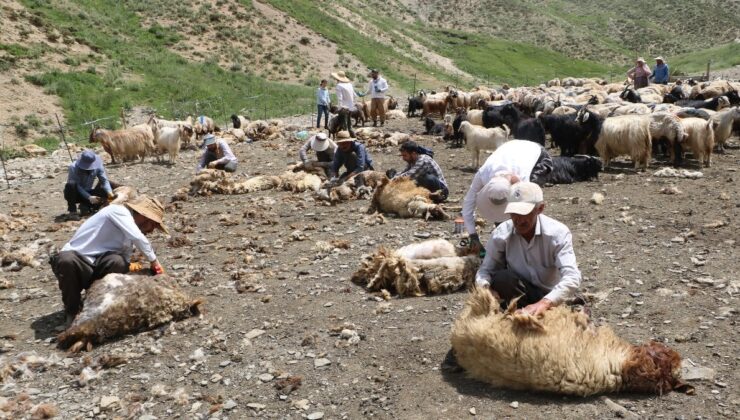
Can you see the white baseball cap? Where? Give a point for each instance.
(523, 198)
(492, 198)
(319, 143)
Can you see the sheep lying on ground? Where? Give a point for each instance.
(426, 268)
(126, 144)
(403, 197)
(560, 352)
(570, 169)
(123, 194)
(212, 181)
(358, 186)
(478, 139)
(120, 304)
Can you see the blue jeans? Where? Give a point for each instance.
(433, 184)
(323, 109)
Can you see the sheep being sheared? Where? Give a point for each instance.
(210, 181)
(426, 268)
(560, 352)
(120, 304)
(403, 197)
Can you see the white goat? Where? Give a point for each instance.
(478, 139)
(625, 135)
(723, 122)
(169, 141)
(699, 139)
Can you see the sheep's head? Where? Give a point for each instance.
(652, 367)
(722, 102)
(235, 121)
(392, 103)
(583, 115)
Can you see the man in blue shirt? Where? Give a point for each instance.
(660, 71)
(79, 187)
(322, 102)
(350, 154)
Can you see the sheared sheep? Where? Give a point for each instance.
(478, 139)
(403, 197)
(126, 144)
(121, 304)
(561, 352)
(299, 181)
(625, 135)
(426, 268)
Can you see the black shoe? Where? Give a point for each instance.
(375, 123)
(85, 210)
(450, 365)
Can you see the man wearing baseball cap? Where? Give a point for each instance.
(103, 245)
(530, 256)
(324, 149)
(216, 155)
(79, 187)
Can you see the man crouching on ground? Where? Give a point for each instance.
(103, 245)
(530, 255)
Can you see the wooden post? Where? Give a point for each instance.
(707, 76)
(2, 159)
(123, 119)
(413, 91)
(61, 133)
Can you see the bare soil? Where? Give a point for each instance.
(656, 266)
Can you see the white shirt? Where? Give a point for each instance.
(547, 261)
(228, 155)
(346, 95)
(111, 229)
(381, 85)
(516, 157)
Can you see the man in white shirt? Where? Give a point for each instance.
(376, 88)
(530, 256)
(512, 162)
(103, 245)
(346, 96)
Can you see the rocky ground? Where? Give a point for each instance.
(656, 266)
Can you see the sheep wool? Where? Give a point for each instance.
(427, 268)
(561, 352)
(403, 197)
(120, 304)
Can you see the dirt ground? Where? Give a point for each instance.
(657, 267)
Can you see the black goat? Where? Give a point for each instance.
(432, 128)
(714, 104)
(630, 95)
(521, 127)
(415, 104)
(236, 121)
(675, 95)
(570, 169)
(356, 114)
(590, 123)
(565, 132)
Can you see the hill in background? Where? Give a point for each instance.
(88, 59)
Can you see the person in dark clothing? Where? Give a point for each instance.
(79, 187)
(423, 170)
(350, 154)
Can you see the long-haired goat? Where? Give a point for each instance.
(560, 352)
(403, 197)
(625, 135)
(699, 139)
(479, 139)
(121, 304)
(426, 268)
(723, 122)
(126, 144)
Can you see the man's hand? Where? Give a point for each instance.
(156, 268)
(95, 200)
(475, 246)
(538, 308)
(212, 165)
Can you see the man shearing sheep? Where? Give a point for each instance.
(423, 170)
(79, 187)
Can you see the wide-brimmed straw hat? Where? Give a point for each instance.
(659, 58)
(491, 200)
(89, 160)
(640, 60)
(319, 142)
(150, 208)
(523, 198)
(340, 76)
(344, 137)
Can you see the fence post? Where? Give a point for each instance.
(61, 132)
(2, 158)
(414, 89)
(708, 69)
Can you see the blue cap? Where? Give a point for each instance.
(89, 160)
(209, 139)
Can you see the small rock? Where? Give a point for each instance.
(315, 415)
(216, 378)
(301, 404)
(514, 404)
(225, 363)
(328, 304)
(597, 198)
(198, 355)
(619, 410)
(678, 239)
(229, 405)
(256, 406)
(317, 363)
(472, 411)
(696, 373)
(265, 377)
(109, 402)
(422, 235)
(254, 333)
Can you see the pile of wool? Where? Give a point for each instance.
(669, 172)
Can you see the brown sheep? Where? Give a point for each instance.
(434, 106)
(126, 144)
(403, 197)
(121, 304)
(560, 352)
(426, 268)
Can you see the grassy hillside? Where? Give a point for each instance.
(721, 57)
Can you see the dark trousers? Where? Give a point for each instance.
(351, 165)
(510, 285)
(433, 184)
(75, 274)
(229, 166)
(72, 196)
(345, 122)
(322, 109)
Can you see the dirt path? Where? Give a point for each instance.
(657, 266)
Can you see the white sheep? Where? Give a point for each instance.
(699, 139)
(187, 125)
(169, 141)
(723, 122)
(478, 139)
(666, 126)
(625, 135)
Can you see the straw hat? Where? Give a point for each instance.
(659, 58)
(343, 137)
(150, 208)
(319, 143)
(640, 60)
(491, 200)
(89, 160)
(340, 76)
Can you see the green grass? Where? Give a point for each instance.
(721, 57)
(49, 143)
(141, 70)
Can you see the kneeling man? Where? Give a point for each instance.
(530, 255)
